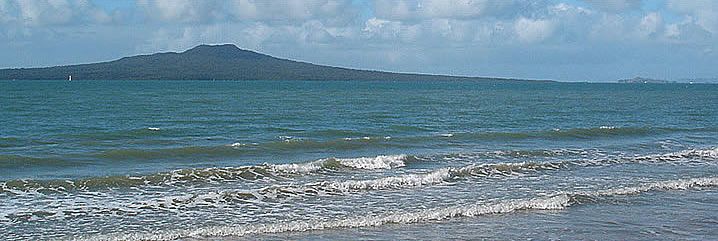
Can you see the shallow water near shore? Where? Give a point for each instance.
(308, 160)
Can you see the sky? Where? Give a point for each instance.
(566, 40)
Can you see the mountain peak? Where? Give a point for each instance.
(215, 62)
(224, 51)
(227, 47)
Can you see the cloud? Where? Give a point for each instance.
(453, 9)
(248, 23)
(6, 12)
(289, 9)
(398, 10)
(386, 30)
(650, 25)
(381, 28)
(440, 36)
(702, 12)
(687, 32)
(207, 11)
(533, 30)
(185, 11)
(38, 13)
(449, 9)
(615, 6)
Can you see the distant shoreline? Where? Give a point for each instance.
(357, 80)
(220, 62)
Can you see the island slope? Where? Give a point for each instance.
(214, 62)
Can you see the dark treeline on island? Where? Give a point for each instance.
(213, 62)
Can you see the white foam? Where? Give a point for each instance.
(365, 138)
(681, 184)
(546, 203)
(403, 181)
(153, 128)
(447, 135)
(505, 169)
(290, 138)
(432, 177)
(706, 153)
(322, 188)
(551, 202)
(298, 167)
(607, 127)
(378, 162)
(692, 155)
(237, 144)
(439, 176)
(435, 177)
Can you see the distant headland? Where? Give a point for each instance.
(641, 80)
(216, 62)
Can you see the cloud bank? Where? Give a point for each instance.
(566, 40)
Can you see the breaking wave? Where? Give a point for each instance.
(438, 176)
(207, 174)
(338, 140)
(435, 177)
(556, 201)
(448, 174)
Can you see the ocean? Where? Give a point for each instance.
(348, 160)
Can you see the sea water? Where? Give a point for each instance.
(253, 160)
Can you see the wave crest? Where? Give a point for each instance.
(206, 174)
(438, 176)
(551, 202)
(547, 203)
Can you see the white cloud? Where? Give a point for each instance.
(382, 29)
(568, 10)
(650, 25)
(687, 32)
(449, 9)
(702, 12)
(186, 11)
(399, 9)
(416, 22)
(533, 30)
(377, 33)
(6, 12)
(313, 32)
(45, 12)
(454, 9)
(38, 13)
(494, 32)
(615, 5)
(193, 11)
(609, 28)
(249, 23)
(290, 9)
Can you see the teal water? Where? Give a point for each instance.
(165, 160)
